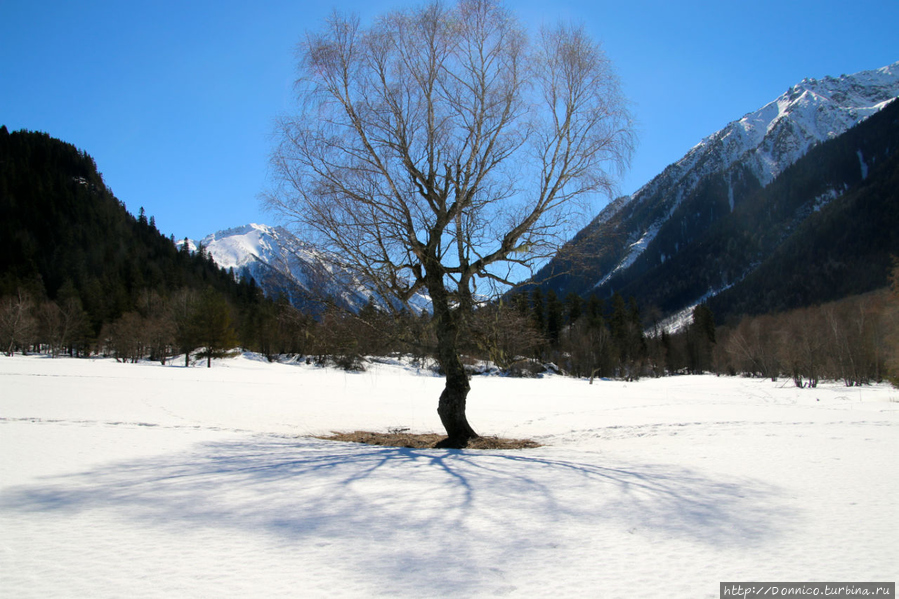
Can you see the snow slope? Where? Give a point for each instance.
(282, 264)
(765, 142)
(275, 259)
(242, 246)
(152, 481)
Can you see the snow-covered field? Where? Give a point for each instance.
(148, 481)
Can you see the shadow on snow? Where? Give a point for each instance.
(416, 516)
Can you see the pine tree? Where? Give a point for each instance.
(538, 310)
(618, 322)
(595, 308)
(574, 306)
(554, 318)
(701, 339)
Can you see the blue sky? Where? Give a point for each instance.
(175, 100)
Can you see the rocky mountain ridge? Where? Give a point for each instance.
(677, 207)
(281, 264)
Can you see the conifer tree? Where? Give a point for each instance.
(554, 318)
(538, 310)
(574, 306)
(701, 339)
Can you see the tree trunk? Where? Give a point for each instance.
(451, 407)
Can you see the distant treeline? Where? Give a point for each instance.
(852, 340)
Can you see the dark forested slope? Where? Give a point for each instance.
(822, 230)
(62, 230)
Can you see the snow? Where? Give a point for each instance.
(239, 246)
(676, 323)
(280, 263)
(811, 112)
(683, 318)
(634, 251)
(150, 481)
(767, 140)
(824, 199)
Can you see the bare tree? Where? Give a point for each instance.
(51, 327)
(158, 323)
(125, 338)
(502, 334)
(441, 149)
(752, 346)
(17, 322)
(62, 325)
(801, 338)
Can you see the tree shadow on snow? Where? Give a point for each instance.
(403, 511)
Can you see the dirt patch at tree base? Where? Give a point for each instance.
(426, 440)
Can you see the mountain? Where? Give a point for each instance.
(278, 263)
(636, 240)
(64, 235)
(830, 222)
(282, 265)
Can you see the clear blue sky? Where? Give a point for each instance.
(175, 100)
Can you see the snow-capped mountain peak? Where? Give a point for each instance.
(274, 258)
(783, 130)
(281, 264)
(763, 143)
(240, 246)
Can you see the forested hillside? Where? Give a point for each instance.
(845, 245)
(716, 215)
(73, 259)
(821, 231)
(62, 227)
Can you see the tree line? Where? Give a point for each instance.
(852, 340)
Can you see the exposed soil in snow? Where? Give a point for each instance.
(426, 441)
